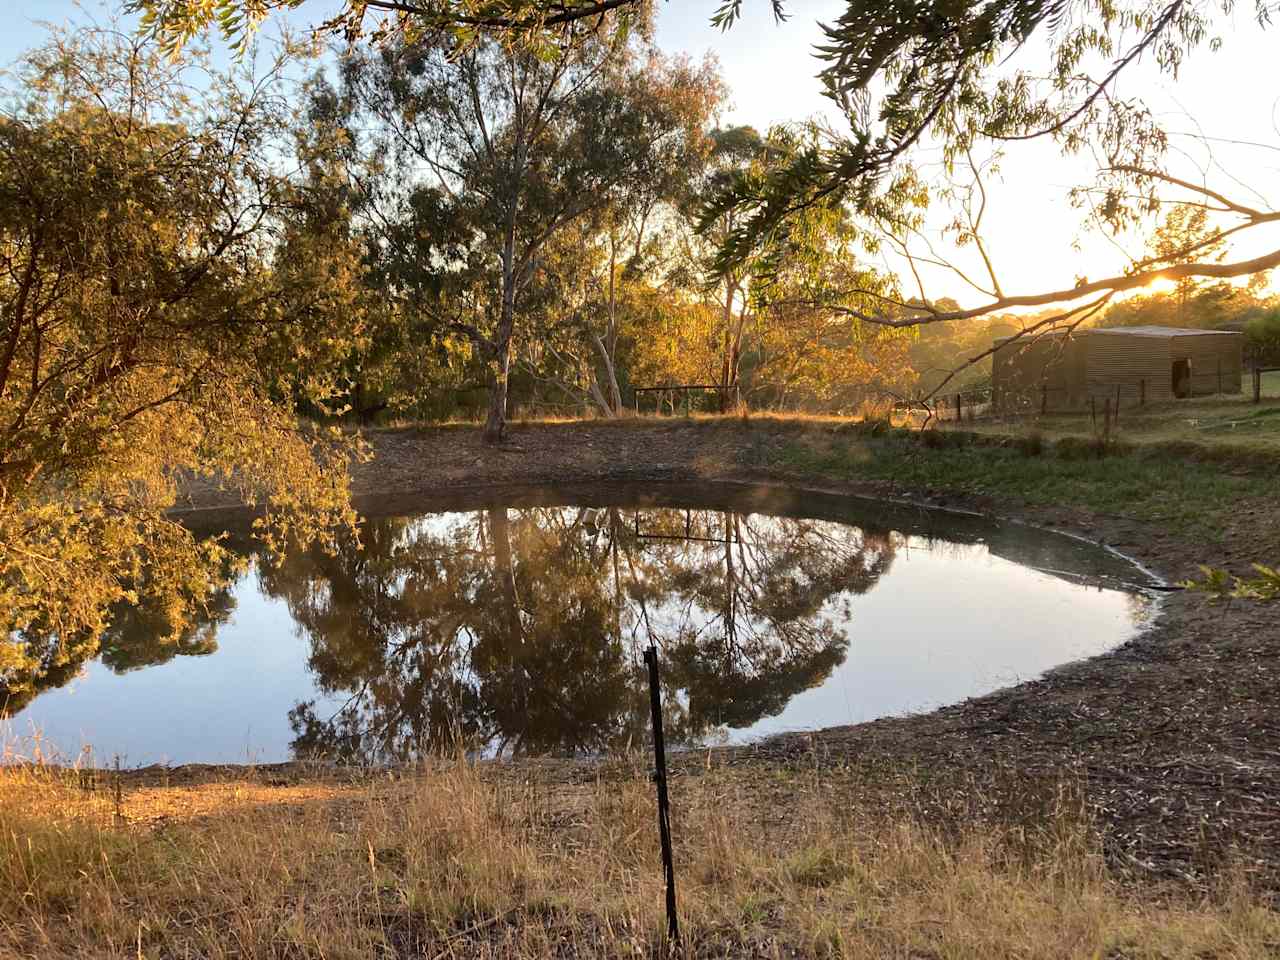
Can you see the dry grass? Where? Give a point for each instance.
(1216, 426)
(460, 861)
(628, 420)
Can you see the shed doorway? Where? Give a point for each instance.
(1182, 378)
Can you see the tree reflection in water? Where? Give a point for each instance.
(521, 631)
(138, 635)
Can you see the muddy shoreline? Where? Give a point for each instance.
(1169, 744)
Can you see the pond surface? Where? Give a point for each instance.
(515, 622)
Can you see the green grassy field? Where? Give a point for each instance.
(1211, 422)
(1194, 489)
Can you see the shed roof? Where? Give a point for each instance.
(1153, 331)
(1032, 337)
(1167, 333)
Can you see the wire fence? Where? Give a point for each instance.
(1265, 383)
(971, 404)
(1257, 384)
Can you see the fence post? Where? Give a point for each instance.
(958, 411)
(1106, 419)
(1093, 410)
(1117, 403)
(1142, 392)
(660, 778)
(1257, 384)
(1044, 399)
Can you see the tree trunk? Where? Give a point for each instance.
(735, 363)
(613, 405)
(500, 532)
(593, 388)
(495, 427)
(726, 321)
(615, 395)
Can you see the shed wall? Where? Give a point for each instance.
(1119, 365)
(1025, 373)
(1211, 353)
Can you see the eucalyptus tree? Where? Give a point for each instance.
(766, 328)
(504, 149)
(145, 338)
(600, 283)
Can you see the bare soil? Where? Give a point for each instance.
(1170, 744)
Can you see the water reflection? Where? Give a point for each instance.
(517, 627)
(521, 630)
(136, 636)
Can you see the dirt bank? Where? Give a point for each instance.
(1171, 744)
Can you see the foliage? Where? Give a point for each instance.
(145, 339)
(1262, 333)
(905, 74)
(538, 24)
(1209, 306)
(936, 351)
(1219, 584)
(775, 329)
(1185, 231)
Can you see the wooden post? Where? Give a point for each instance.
(1044, 399)
(1142, 392)
(660, 779)
(959, 412)
(1093, 410)
(1117, 403)
(1106, 419)
(1257, 384)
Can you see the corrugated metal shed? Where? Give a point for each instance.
(1128, 368)
(1063, 370)
(1044, 368)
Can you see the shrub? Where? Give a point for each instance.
(1031, 444)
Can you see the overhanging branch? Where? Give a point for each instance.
(1111, 286)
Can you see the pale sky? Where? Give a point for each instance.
(1233, 94)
